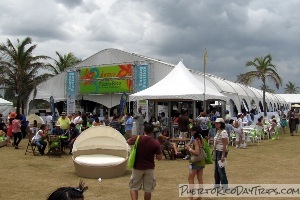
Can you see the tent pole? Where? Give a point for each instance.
(204, 98)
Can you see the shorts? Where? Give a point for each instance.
(143, 178)
(240, 135)
(195, 167)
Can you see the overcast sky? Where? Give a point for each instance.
(233, 32)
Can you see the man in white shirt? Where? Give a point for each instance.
(77, 120)
(238, 129)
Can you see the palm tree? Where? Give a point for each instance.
(264, 70)
(64, 62)
(241, 78)
(19, 69)
(268, 89)
(290, 88)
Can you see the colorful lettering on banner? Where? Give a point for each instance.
(142, 77)
(106, 86)
(71, 92)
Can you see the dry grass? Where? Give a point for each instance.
(29, 177)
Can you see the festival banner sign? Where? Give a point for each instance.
(123, 102)
(105, 86)
(142, 77)
(71, 92)
(115, 71)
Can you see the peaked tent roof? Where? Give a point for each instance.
(5, 102)
(178, 84)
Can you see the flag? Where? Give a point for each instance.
(123, 102)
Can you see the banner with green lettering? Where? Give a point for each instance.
(115, 71)
(105, 86)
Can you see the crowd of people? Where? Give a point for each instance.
(208, 128)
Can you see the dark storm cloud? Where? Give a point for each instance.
(70, 3)
(233, 32)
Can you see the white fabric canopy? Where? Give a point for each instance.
(291, 98)
(103, 137)
(5, 107)
(178, 84)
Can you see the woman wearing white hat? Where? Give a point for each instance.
(221, 148)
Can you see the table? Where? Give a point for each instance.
(180, 140)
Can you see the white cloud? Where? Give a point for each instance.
(233, 32)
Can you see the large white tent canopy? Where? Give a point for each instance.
(5, 107)
(236, 94)
(178, 84)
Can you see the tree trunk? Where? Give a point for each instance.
(18, 104)
(22, 106)
(264, 97)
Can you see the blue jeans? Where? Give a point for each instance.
(220, 173)
(41, 146)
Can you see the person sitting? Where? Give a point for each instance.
(259, 122)
(97, 122)
(57, 130)
(228, 127)
(74, 133)
(163, 139)
(39, 137)
(273, 126)
(69, 193)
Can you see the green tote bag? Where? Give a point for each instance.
(131, 159)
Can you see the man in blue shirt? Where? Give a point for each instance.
(128, 126)
(57, 130)
(23, 126)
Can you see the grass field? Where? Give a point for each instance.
(34, 177)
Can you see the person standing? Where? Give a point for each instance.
(204, 120)
(115, 123)
(64, 121)
(143, 170)
(78, 120)
(23, 125)
(292, 122)
(238, 129)
(16, 131)
(283, 122)
(74, 133)
(128, 126)
(183, 124)
(220, 144)
(196, 168)
(139, 117)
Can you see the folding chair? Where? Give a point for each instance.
(31, 148)
(168, 152)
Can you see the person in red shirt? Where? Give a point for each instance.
(16, 131)
(143, 170)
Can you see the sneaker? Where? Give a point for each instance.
(243, 146)
(16, 147)
(237, 146)
(186, 157)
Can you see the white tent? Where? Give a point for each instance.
(5, 107)
(179, 84)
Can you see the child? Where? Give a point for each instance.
(69, 193)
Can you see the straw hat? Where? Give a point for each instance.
(12, 115)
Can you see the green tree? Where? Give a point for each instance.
(20, 69)
(64, 62)
(291, 88)
(264, 69)
(268, 89)
(245, 80)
